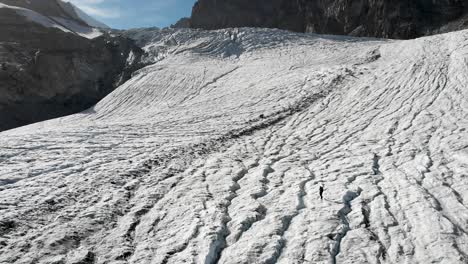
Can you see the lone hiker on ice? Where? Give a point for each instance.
(321, 192)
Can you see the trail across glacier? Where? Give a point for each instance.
(215, 153)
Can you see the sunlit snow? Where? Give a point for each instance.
(215, 154)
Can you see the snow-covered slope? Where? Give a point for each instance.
(215, 153)
(35, 17)
(56, 14)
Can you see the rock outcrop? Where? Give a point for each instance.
(46, 72)
(182, 23)
(372, 18)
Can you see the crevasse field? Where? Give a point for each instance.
(215, 153)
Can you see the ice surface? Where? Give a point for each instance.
(215, 153)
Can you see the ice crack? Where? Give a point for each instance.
(345, 228)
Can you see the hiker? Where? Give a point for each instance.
(321, 192)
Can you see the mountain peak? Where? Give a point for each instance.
(57, 9)
(56, 14)
(82, 15)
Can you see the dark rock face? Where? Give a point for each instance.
(374, 18)
(47, 73)
(213, 14)
(45, 7)
(54, 9)
(182, 23)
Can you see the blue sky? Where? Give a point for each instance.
(124, 14)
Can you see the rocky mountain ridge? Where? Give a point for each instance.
(398, 19)
(57, 9)
(48, 70)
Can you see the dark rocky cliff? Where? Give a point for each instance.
(47, 73)
(373, 18)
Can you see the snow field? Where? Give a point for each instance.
(214, 154)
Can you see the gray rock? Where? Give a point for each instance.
(182, 23)
(47, 73)
(373, 18)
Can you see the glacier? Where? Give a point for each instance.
(215, 153)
